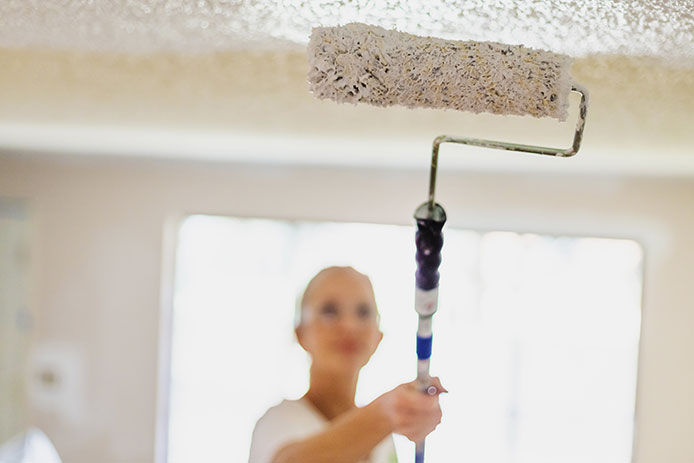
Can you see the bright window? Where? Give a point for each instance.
(536, 336)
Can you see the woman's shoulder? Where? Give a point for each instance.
(281, 423)
(287, 421)
(291, 411)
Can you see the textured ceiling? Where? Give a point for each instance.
(653, 28)
(227, 80)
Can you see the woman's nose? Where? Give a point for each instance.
(350, 322)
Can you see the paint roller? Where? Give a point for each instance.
(359, 63)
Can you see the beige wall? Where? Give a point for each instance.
(98, 252)
(14, 322)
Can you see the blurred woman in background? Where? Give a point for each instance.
(338, 327)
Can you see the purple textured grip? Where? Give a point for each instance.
(429, 241)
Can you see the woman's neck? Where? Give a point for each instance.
(332, 394)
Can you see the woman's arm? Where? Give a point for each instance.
(347, 439)
(352, 436)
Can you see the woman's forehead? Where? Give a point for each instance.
(340, 282)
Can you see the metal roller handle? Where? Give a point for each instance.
(558, 152)
(429, 241)
(430, 218)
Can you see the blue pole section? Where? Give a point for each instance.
(429, 241)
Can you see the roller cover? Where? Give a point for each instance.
(362, 63)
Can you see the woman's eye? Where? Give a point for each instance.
(364, 311)
(329, 310)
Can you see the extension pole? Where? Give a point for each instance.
(429, 241)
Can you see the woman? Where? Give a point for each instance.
(338, 327)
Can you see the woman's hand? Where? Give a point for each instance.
(350, 437)
(411, 412)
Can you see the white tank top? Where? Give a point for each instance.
(297, 419)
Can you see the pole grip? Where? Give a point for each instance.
(429, 242)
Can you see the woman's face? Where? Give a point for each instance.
(339, 327)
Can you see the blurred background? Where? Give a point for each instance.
(168, 184)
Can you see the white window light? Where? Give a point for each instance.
(536, 337)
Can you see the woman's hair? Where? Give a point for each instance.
(315, 281)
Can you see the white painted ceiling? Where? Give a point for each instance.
(658, 28)
(225, 79)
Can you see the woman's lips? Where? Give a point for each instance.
(348, 347)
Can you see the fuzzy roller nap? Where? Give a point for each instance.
(361, 63)
(368, 64)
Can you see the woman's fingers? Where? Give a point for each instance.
(412, 413)
(413, 401)
(417, 427)
(436, 382)
(418, 414)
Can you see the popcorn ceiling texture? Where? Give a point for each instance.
(361, 63)
(239, 67)
(652, 28)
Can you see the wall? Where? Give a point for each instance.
(15, 320)
(99, 227)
